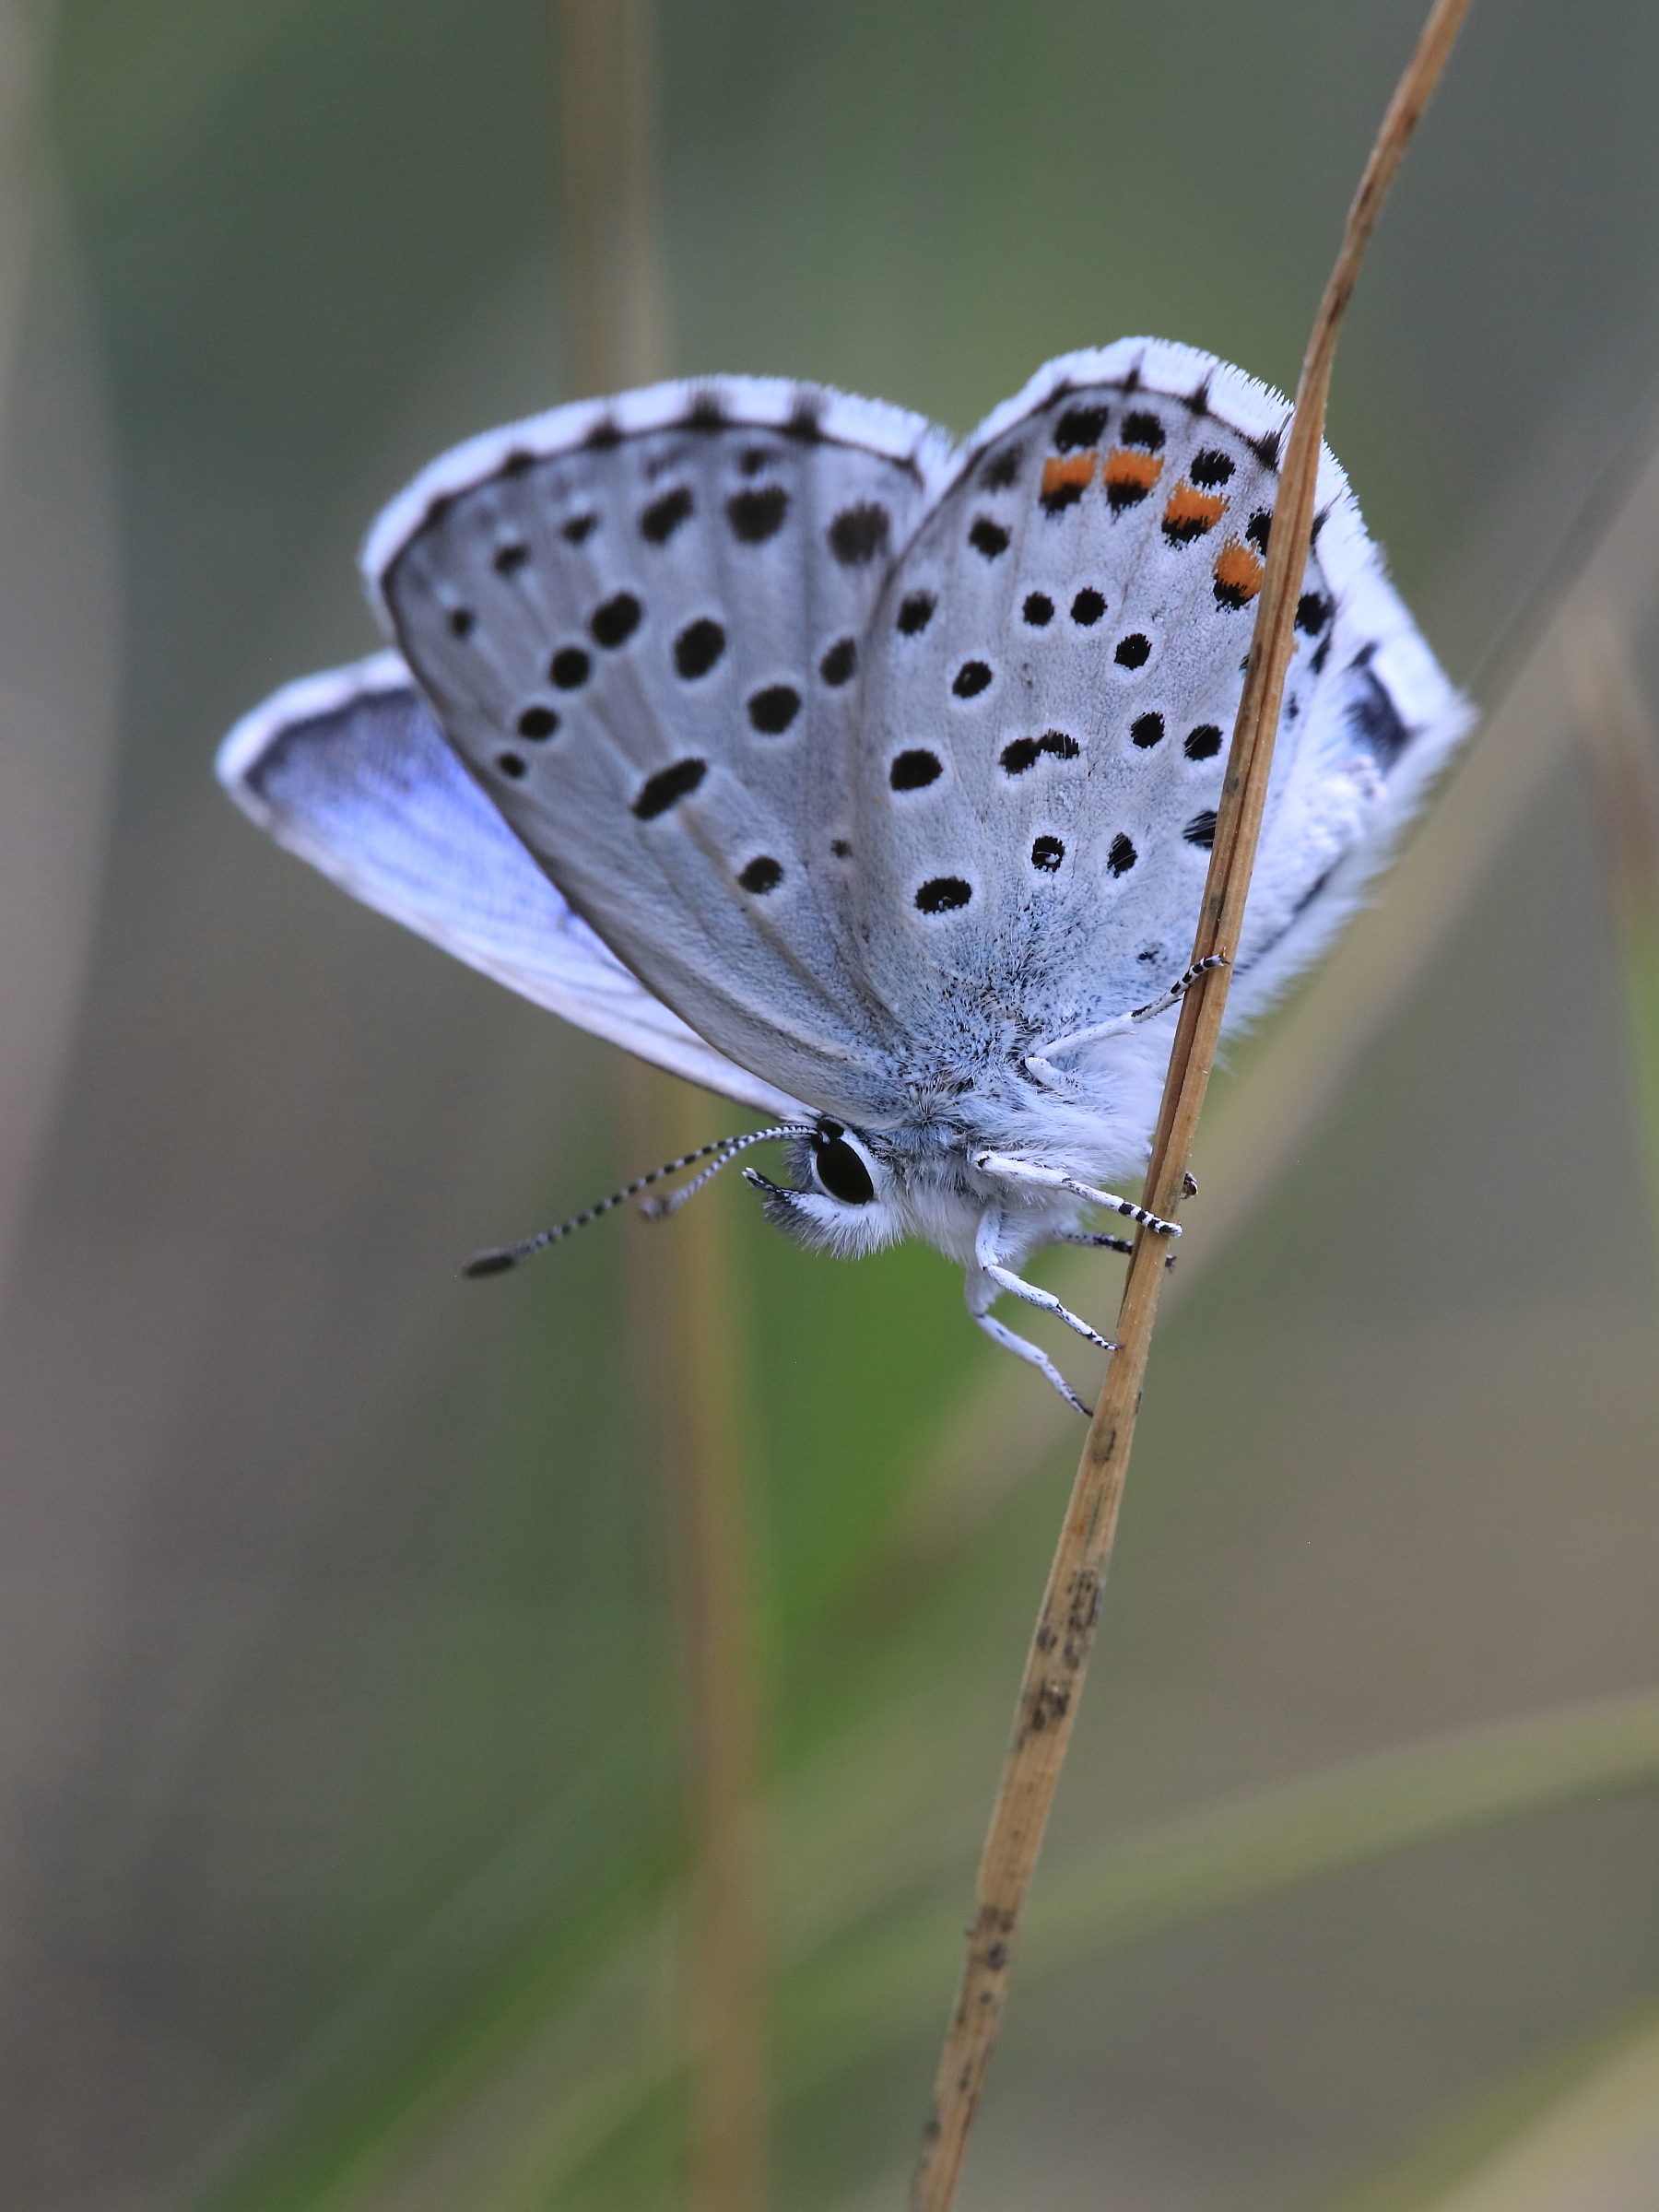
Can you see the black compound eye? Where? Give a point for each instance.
(842, 1172)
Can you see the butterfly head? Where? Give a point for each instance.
(845, 1197)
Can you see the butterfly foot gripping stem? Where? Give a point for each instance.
(1054, 1179)
(1042, 1066)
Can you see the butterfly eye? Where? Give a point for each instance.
(840, 1169)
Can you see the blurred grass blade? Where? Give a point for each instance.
(536, 2127)
(682, 1311)
(865, 1995)
(1617, 725)
(608, 185)
(1002, 1432)
(1578, 2132)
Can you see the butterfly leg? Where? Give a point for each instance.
(1054, 1179)
(1042, 1067)
(1095, 1238)
(978, 1290)
(986, 1247)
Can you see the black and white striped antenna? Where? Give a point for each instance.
(497, 1259)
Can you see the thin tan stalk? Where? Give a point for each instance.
(682, 1308)
(611, 235)
(1071, 1604)
(1622, 748)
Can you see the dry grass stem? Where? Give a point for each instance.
(1065, 1623)
(680, 1294)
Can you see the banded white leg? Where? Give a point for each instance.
(1096, 1238)
(985, 1245)
(1054, 1179)
(1042, 1066)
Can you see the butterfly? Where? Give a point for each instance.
(868, 781)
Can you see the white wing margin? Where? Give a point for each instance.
(351, 772)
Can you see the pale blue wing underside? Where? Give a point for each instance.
(1050, 686)
(351, 772)
(639, 622)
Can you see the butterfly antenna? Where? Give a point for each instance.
(498, 1258)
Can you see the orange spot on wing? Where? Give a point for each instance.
(1126, 468)
(1238, 574)
(1189, 513)
(1066, 479)
(1073, 469)
(1129, 475)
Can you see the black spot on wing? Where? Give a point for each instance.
(1143, 429)
(1147, 731)
(1088, 608)
(665, 515)
(615, 621)
(570, 667)
(1375, 721)
(705, 412)
(916, 612)
(762, 875)
(538, 723)
(1079, 426)
(509, 557)
(1047, 853)
(1038, 610)
(1002, 468)
(971, 679)
(462, 621)
(1266, 447)
(579, 527)
(1201, 829)
(668, 787)
(943, 894)
(771, 710)
(1025, 752)
(698, 647)
(988, 537)
(757, 515)
(1203, 743)
(1133, 652)
(838, 663)
(1210, 468)
(804, 425)
(1312, 612)
(858, 533)
(1121, 855)
(914, 770)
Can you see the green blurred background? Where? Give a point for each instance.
(339, 1780)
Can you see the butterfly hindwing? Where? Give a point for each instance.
(349, 771)
(641, 626)
(1050, 684)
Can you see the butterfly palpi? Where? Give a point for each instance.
(867, 781)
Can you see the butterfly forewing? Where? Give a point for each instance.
(349, 771)
(1052, 677)
(643, 633)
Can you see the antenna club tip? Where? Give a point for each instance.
(496, 1261)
